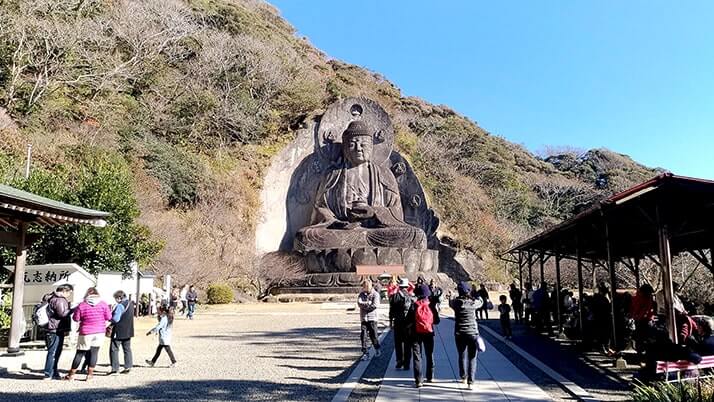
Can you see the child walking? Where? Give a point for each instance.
(505, 311)
(166, 322)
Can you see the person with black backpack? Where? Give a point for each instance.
(421, 318)
(466, 331)
(399, 304)
(58, 324)
(122, 330)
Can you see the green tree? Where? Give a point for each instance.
(96, 179)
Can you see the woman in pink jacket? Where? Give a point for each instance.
(92, 315)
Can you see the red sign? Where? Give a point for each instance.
(380, 269)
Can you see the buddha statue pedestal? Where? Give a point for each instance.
(335, 268)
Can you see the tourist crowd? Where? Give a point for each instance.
(413, 312)
(98, 320)
(639, 322)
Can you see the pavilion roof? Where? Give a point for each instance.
(630, 221)
(21, 206)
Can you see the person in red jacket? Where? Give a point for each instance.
(393, 287)
(642, 310)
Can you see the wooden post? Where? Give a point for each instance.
(613, 283)
(594, 276)
(530, 268)
(558, 298)
(665, 258)
(18, 291)
(580, 286)
(520, 271)
(138, 291)
(542, 266)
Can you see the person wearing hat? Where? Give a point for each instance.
(466, 331)
(420, 322)
(368, 303)
(399, 304)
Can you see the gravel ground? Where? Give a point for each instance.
(293, 352)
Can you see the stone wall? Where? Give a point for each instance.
(276, 228)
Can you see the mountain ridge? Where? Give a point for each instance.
(195, 97)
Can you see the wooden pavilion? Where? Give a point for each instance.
(18, 210)
(655, 220)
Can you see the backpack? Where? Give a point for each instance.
(424, 317)
(41, 314)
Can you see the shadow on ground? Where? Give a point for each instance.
(563, 358)
(303, 350)
(208, 390)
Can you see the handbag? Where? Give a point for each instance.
(489, 305)
(108, 331)
(480, 344)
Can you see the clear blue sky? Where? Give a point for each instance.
(633, 76)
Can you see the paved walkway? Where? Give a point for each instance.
(497, 378)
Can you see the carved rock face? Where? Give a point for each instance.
(358, 150)
(399, 169)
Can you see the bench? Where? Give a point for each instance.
(680, 366)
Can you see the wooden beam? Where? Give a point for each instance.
(520, 271)
(542, 267)
(594, 277)
(10, 239)
(702, 258)
(580, 288)
(530, 268)
(655, 260)
(613, 283)
(557, 293)
(665, 258)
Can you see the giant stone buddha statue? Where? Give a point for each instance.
(358, 204)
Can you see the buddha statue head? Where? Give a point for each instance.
(357, 143)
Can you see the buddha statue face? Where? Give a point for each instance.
(358, 150)
(357, 144)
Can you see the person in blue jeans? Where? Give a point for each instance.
(466, 331)
(191, 300)
(58, 312)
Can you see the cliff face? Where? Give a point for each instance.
(197, 96)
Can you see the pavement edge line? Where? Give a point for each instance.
(348, 386)
(569, 385)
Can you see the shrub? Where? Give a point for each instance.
(179, 173)
(674, 392)
(219, 293)
(5, 310)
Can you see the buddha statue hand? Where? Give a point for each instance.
(360, 212)
(343, 225)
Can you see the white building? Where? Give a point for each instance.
(43, 279)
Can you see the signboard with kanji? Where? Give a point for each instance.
(40, 277)
(43, 279)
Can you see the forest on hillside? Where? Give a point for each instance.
(167, 112)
